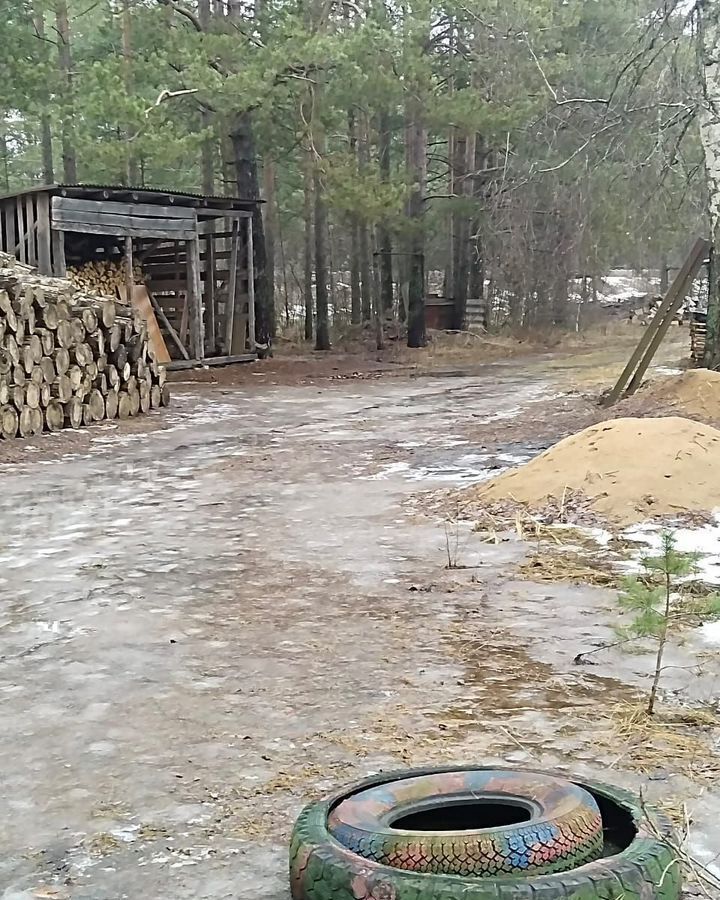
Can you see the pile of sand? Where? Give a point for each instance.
(629, 469)
(696, 393)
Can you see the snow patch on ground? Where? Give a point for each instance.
(710, 633)
(469, 468)
(710, 858)
(703, 540)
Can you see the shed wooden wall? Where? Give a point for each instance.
(25, 229)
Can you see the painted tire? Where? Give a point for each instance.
(553, 825)
(645, 868)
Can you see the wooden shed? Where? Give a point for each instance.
(194, 253)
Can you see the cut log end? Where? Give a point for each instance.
(73, 412)
(9, 422)
(54, 416)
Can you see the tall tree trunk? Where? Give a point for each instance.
(207, 156)
(5, 164)
(384, 240)
(317, 147)
(449, 277)
(207, 151)
(45, 127)
(65, 64)
(465, 151)
(322, 338)
(709, 37)
(415, 161)
(476, 283)
(354, 260)
(366, 278)
(246, 176)
(308, 202)
(366, 287)
(271, 227)
(132, 171)
(355, 301)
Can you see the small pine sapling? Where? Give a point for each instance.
(657, 603)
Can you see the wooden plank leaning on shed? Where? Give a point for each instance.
(141, 301)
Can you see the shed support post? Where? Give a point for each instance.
(10, 229)
(210, 311)
(194, 295)
(129, 278)
(251, 284)
(58, 253)
(232, 290)
(21, 251)
(43, 234)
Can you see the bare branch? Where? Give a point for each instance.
(166, 95)
(184, 11)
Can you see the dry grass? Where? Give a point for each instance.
(549, 567)
(682, 740)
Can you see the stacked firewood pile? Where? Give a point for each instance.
(68, 358)
(102, 277)
(698, 332)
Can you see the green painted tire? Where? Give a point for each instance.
(646, 868)
(542, 823)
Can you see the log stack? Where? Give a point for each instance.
(698, 332)
(69, 358)
(102, 277)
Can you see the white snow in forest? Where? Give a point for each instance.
(703, 540)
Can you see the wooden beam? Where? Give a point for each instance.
(21, 250)
(169, 227)
(30, 226)
(129, 275)
(132, 224)
(43, 233)
(653, 335)
(72, 205)
(124, 231)
(178, 365)
(168, 327)
(696, 260)
(194, 293)
(58, 253)
(142, 303)
(251, 285)
(184, 319)
(232, 290)
(206, 221)
(209, 294)
(10, 227)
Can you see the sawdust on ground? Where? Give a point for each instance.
(628, 469)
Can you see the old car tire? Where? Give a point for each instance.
(493, 822)
(643, 867)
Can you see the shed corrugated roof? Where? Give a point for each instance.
(146, 194)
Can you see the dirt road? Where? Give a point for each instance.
(210, 623)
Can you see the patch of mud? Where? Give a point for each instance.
(227, 618)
